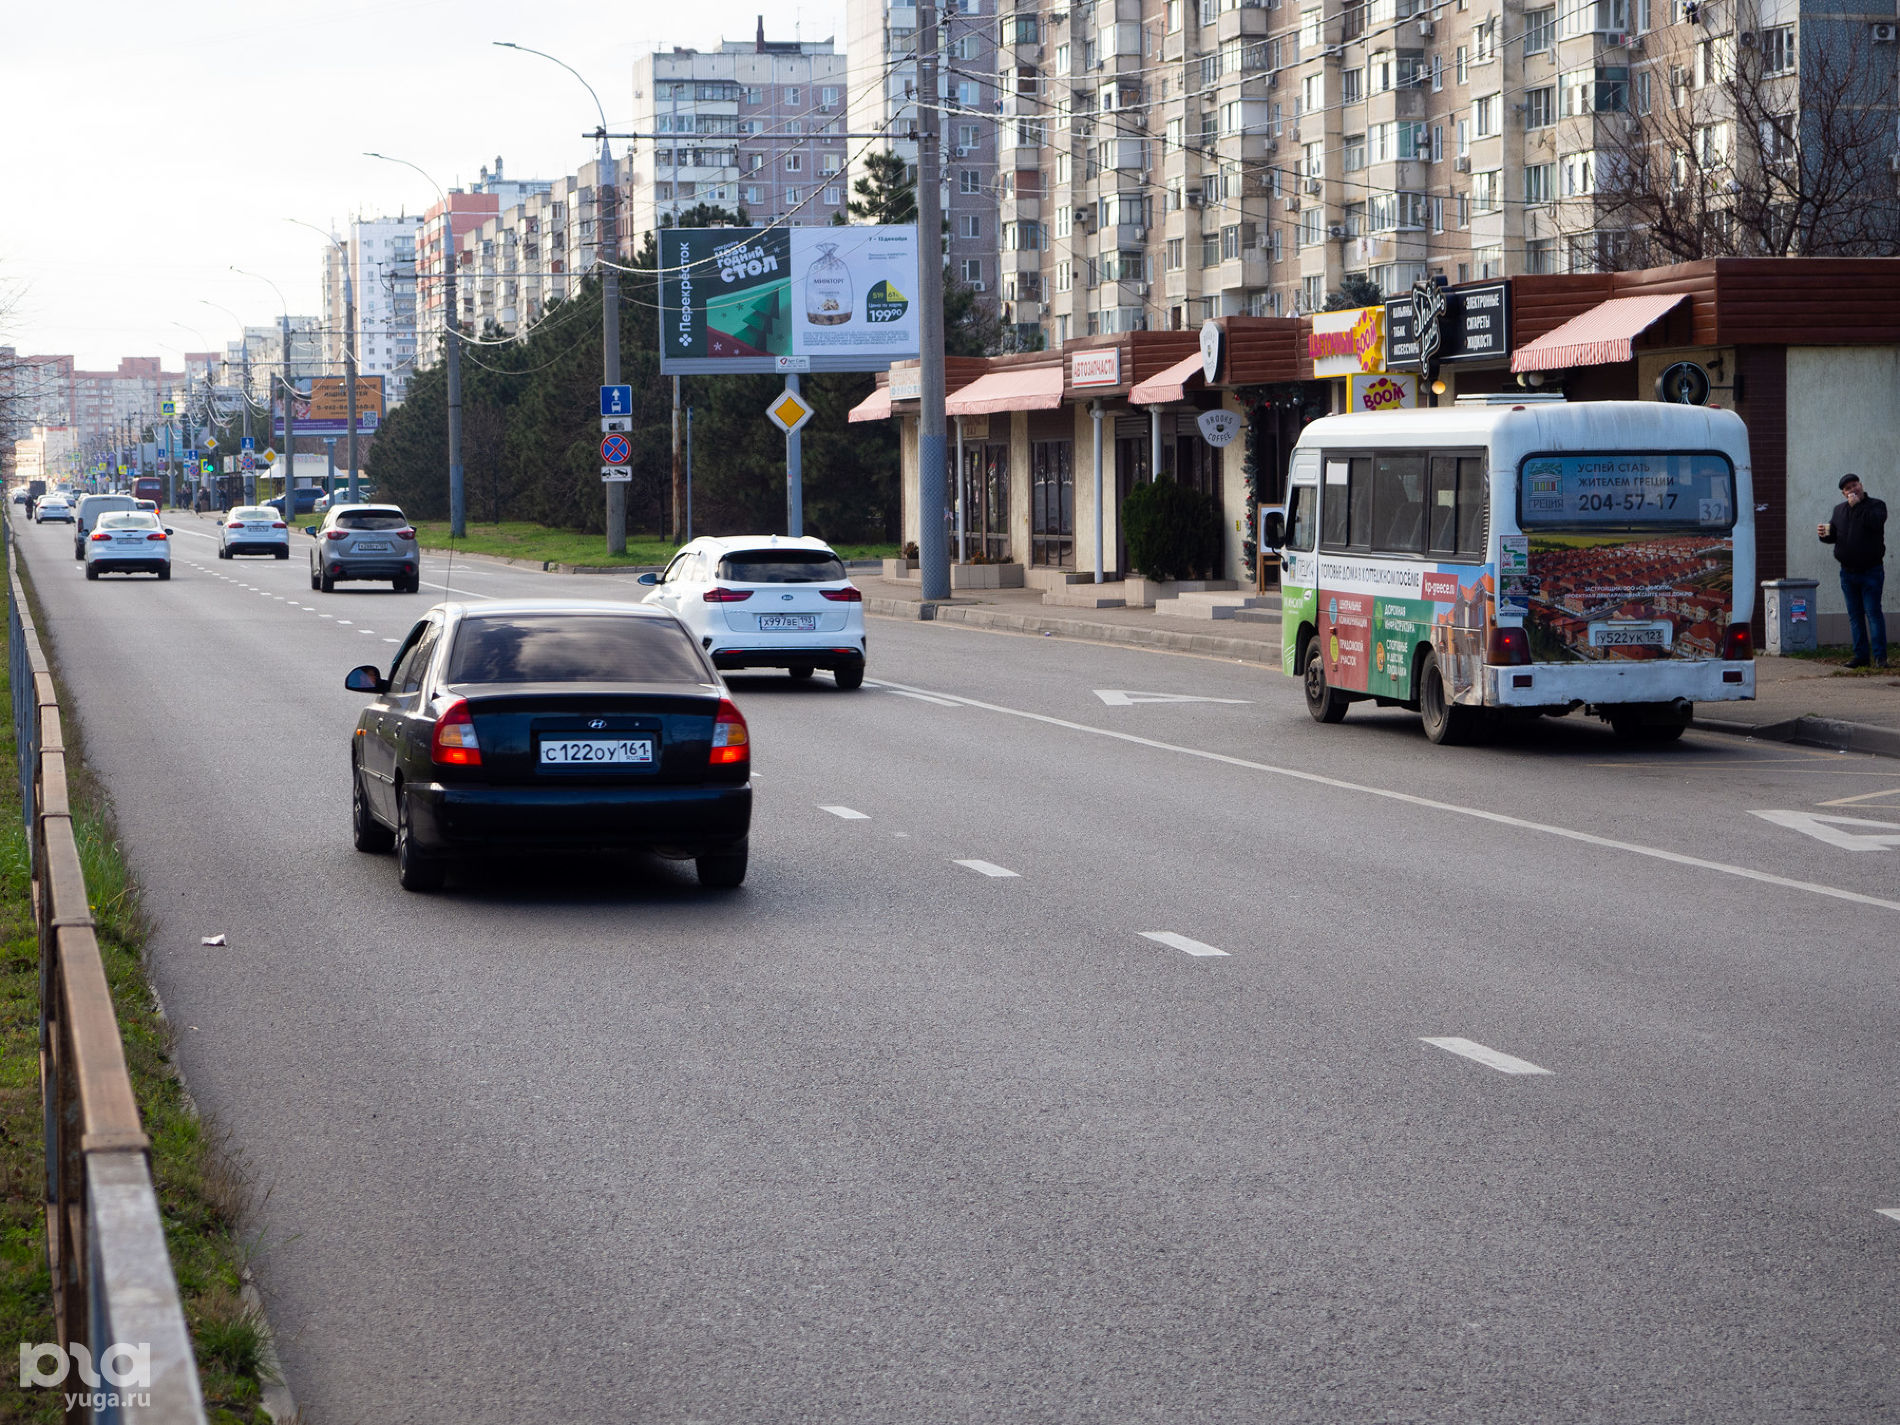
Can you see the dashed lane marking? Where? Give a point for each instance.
(1181, 943)
(988, 868)
(1490, 1058)
(845, 813)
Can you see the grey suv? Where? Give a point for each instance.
(365, 542)
(87, 515)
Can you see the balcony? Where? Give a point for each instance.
(1250, 269)
(1022, 207)
(1120, 235)
(1018, 260)
(1248, 22)
(1407, 103)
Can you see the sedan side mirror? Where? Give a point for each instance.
(170, 530)
(1272, 531)
(367, 679)
(648, 578)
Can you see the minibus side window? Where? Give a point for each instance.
(1334, 508)
(1442, 516)
(1398, 503)
(1474, 499)
(1300, 517)
(1361, 488)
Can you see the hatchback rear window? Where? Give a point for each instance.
(573, 648)
(782, 566)
(371, 519)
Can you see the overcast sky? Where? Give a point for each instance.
(149, 149)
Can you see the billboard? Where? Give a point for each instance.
(325, 410)
(742, 300)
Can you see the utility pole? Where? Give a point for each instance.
(244, 364)
(680, 495)
(349, 359)
(288, 484)
(458, 505)
(610, 326)
(932, 555)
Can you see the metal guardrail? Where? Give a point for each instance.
(113, 1285)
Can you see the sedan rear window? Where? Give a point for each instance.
(260, 512)
(573, 648)
(131, 519)
(371, 519)
(782, 566)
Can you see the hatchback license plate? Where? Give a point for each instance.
(796, 623)
(597, 751)
(371, 547)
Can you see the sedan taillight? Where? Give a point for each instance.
(239, 524)
(156, 534)
(97, 538)
(844, 596)
(454, 742)
(275, 524)
(730, 742)
(717, 595)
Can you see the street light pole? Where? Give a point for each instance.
(931, 454)
(607, 200)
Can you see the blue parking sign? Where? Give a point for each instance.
(616, 400)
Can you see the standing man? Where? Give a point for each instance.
(1858, 533)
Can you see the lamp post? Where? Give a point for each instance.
(289, 482)
(244, 366)
(349, 345)
(609, 288)
(452, 343)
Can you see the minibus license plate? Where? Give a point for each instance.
(1630, 635)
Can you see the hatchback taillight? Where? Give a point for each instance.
(717, 595)
(730, 742)
(454, 742)
(1508, 647)
(843, 596)
(1738, 646)
(405, 534)
(335, 533)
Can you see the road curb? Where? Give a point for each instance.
(995, 620)
(1834, 734)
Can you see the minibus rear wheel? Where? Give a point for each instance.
(1446, 723)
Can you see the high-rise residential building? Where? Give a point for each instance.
(533, 253)
(444, 224)
(756, 125)
(381, 258)
(991, 118)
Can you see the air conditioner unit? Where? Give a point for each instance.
(1333, 51)
(1884, 34)
(1747, 39)
(1335, 230)
(1617, 39)
(1315, 185)
(1194, 198)
(1293, 205)
(1461, 164)
(976, 286)
(1425, 29)
(964, 152)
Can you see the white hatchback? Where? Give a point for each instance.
(767, 601)
(129, 542)
(253, 529)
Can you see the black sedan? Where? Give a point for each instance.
(544, 725)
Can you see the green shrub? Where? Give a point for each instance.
(1173, 532)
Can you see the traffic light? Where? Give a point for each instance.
(209, 467)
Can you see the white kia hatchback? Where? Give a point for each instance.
(767, 601)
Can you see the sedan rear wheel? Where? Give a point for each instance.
(283, 553)
(414, 871)
(369, 834)
(92, 571)
(722, 870)
(165, 573)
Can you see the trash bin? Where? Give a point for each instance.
(1788, 611)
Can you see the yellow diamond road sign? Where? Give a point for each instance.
(789, 411)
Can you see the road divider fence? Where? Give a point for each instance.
(114, 1292)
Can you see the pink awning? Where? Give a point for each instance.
(1602, 335)
(874, 407)
(1038, 388)
(1168, 386)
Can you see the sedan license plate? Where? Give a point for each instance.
(1630, 635)
(795, 623)
(597, 751)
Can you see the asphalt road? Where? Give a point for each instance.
(887, 1136)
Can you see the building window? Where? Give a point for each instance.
(794, 163)
(969, 180)
(1351, 87)
(1176, 254)
(1540, 30)
(1463, 66)
(755, 194)
(970, 225)
(1540, 256)
(1540, 107)
(1464, 138)
(973, 271)
(1312, 293)
(794, 196)
(1485, 41)
(967, 136)
(1777, 50)
(1355, 152)
(833, 197)
(1484, 116)
(1579, 174)
(1540, 182)
(794, 96)
(1210, 250)
(1484, 190)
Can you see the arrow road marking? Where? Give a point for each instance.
(1180, 942)
(1873, 835)
(1471, 1049)
(1128, 697)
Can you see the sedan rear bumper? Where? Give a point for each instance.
(129, 566)
(678, 821)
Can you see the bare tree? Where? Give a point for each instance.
(1757, 143)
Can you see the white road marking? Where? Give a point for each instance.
(988, 868)
(1834, 830)
(1496, 818)
(391, 640)
(1180, 942)
(845, 813)
(1491, 1058)
(466, 593)
(1127, 698)
(370, 631)
(925, 698)
(344, 622)
(1893, 1212)
(1863, 797)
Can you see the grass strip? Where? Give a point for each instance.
(539, 543)
(205, 1190)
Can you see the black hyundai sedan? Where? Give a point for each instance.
(544, 725)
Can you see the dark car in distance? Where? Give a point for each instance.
(549, 726)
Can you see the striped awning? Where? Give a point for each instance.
(1168, 386)
(1036, 388)
(874, 407)
(1604, 334)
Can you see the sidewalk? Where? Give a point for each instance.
(1796, 700)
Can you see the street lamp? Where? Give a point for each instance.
(244, 365)
(458, 507)
(288, 483)
(349, 342)
(609, 290)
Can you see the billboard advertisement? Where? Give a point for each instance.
(325, 409)
(775, 299)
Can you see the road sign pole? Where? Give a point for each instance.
(606, 256)
(794, 471)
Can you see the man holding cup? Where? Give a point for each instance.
(1857, 531)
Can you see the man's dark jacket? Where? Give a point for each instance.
(1859, 534)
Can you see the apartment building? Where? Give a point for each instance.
(533, 253)
(756, 125)
(974, 112)
(380, 256)
(445, 223)
(1167, 161)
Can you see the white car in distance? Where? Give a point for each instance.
(767, 601)
(52, 507)
(129, 542)
(253, 529)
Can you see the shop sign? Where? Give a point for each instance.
(1218, 428)
(1384, 391)
(907, 383)
(974, 427)
(1347, 343)
(1472, 323)
(1210, 350)
(1100, 367)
